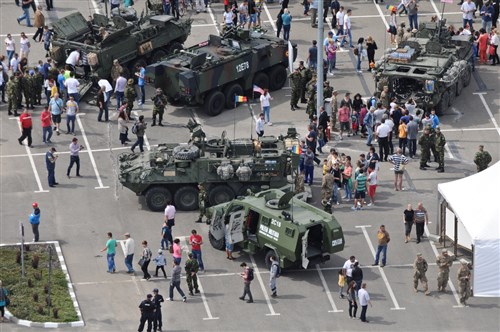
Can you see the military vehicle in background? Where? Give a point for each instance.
(278, 223)
(228, 168)
(214, 71)
(432, 68)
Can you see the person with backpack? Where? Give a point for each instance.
(275, 272)
(247, 276)
(139, 129)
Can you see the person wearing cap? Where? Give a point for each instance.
(420, 267)
(444, 262)
(464, 275)
(191, 266)
(50, 162)
(157, 301)
(160, 262)
(110, 249)
(35, 221)
(159, 102)
(439, 143)
(130, 96)
(147, 308)
(129, 252)
(74, 150)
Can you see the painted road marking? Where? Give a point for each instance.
(327, 290)
(487, 108)
(264, 289)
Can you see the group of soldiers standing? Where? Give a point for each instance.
(28, 84)
(432, 140)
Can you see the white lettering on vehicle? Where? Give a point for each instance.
(270, 233)
(336, 242)
(276, 223)
(242, 66)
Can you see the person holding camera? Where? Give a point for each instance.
(139, 129)
(74, 149)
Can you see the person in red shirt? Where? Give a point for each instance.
(483, 46)
(344, 119)
(46, 119)
(196, 241)
(26, 125)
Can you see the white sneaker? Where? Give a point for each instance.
(170, 299)
(371, 204)
(269, 123)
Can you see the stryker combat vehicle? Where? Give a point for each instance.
(214, 71)
(228, 168)
(432, 68)
(278, 223)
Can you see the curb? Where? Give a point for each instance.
(48, 325)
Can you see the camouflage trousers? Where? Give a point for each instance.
(130, 106)
(443, 277)
(424, 155)
(434, 153)
(326, 193)
(158, 111)
(192, 281)
(12, 104)
(464, 291)
(423, 280)
(29, 98)
(440, 157)
(333, 120)
(294, 100)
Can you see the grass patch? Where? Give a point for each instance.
(28, 297)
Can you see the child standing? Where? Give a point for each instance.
(160, 262)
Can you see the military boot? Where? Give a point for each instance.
(292, 107)
(440, 170)
(160, 120)
(199, 220)
(154, 122)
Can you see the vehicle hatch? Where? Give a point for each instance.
(71, 26)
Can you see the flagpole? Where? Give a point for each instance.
(234, 118)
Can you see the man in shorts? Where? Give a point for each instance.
(372, 185)
(399, 161)
(56, 107)
(360, 188)
(252, 11)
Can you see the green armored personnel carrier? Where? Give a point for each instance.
(228, 168)
(432, 68)
(211, 73)
(279, 224)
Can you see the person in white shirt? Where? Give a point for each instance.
(121, 83)
(10, 46)
(383, 140)
(14, 63)
(71, 110)
(265, 106)
(468, 8)
(108, 90)
(364, 300)
(340, 21)
(228, 17)
(170, 215)
(259, 125)
(74, 149)
(72, 85)
(347, 29)
(129, 252)
(372, 185)
(347, 272)
(73, 59)
(24, 46)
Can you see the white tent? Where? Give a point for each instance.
(472, 213)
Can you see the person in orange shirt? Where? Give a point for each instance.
(483, 46)
(402, 133)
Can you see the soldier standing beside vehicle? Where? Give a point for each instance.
(439, 143)
(464, 282)
(295, 79)
(160, 102)
(481, 159)
(202, 199)
(444, 262)
(192, 267)
(12, 95)
(425, 142)
(306, 76)
(420, 267)
(130, 96)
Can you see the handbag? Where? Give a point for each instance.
(141, 261)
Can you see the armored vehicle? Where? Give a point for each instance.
(213, 72)
(144, 41)
(228, 168)
(432, 68)
(278, 223)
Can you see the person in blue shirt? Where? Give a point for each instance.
(287, 22)
(35, 221)
(141, 72)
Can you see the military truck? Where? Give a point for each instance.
(144, 41)
(279, 224)
(214, 71)
(432, 68)
(228, 168)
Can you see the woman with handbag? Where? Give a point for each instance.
(4, 301)
(145, 259)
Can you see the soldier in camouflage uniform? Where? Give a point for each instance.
(299, 183)
(384, 97)
(202, 200)
(12, 95)
(432, 134)
(295, 80)
(160, 102)
(130, 96)
(335, 110)
(192, 267)
(29, 89)
(326, 187)
(425, 142)
(464, 282)
(306, 75)
(116, 71)
(482, 159)
(311, 97)
(38, 87)
(439, 143)
(420, 267)
(327, 90)
(444, 262)
(19, 88)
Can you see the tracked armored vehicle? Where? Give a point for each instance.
(228, 168)
(211, 73)
(278, 223)
(432, 68)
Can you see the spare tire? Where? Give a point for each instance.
(186, 152)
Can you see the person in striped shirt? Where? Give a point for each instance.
(359, 189)
(399, 161)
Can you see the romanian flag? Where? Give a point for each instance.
(240, 99)
(297, 149)
(257, 89)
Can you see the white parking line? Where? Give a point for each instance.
(32, 162)
(270, 17)
(382, 273)
(487, 108)
(436, 9)
(213, 18)
(89, 151)
(448, 151)
(327, 290)
(381, 15)
(264, 289)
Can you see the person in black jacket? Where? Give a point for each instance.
(323, 121)
(279, 23)
(371, 47)
(357, 275)
(147, 308)
(157, 301)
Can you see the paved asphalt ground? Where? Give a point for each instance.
(80, 211)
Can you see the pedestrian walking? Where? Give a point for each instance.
(265, 106)
(129, 252)
(439, 143)
(71, 111)
(74, 150)
(130, 96)
(10, 47)
(347, 29)
(24, 46)
(351, 298)
(50, 162)
(444, 262)
(170, 215)
(364, 300)
(123, 128)
(166, 237)
(383, 240)
(101, 103)
(160, 262)
(408, 221)
(482, 159)
(421, 219)
(145, 260)
(247, 276)
(259, 125)
(26, 127)
(35, 221)
(196, 241)
(177, 251)
(175, 282)
(464, 287)
(39, 23)
(25, 5)
(371, 47)
(287, 23)
(399, 161)
(157, 301)
(140, 133)
(141, 74)
(420, 267)
(56, 107)
(191, 266)
(110, 249)
(147, 308)
(274, 273)
(359, 53)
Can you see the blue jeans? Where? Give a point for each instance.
(266, 110)
(466, 21)
(10, 54)
(177, 285)
(309, 172)
(348, 192)
(166, 9)
(119, 98)
(197, 256)
(128, 262)
(143, 94)
(51, 176)
(306, 7)
(140, 142)
(331, 65)
(108, 99)
(47, 133)
(358, 66)
(413, 20)
(348, 32)
(25, 16)
(313, 65)
(286, 31)
(111, 262)
(381, 249)
(70, 123)
(335, 195)
(369, 128)
(76, 96)
(164, 243)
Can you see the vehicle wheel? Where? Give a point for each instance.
(443, 103)
(267, 260)
(186, 152)
(467, 76)
(186, 198)
(217, 244)
(157, 198)
(261, 80)
(157, 56)
(230, 91)
(460, 86)
(214, 103)
(277, 77)
(173, 46)
(220, 194)
(452, 93)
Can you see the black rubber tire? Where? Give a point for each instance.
(267, 259)
(253, 187)
(190, 152)
(220, 194)
(214, 103)
(261, 80)
(467, 76)
(186, 198)
(173, 46)
(157, 56)
(157, 198)
(230, 91)
(216, 244)
(277, 77)
(443, 103)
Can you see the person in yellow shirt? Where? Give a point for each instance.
(402, 133)
(53, 88)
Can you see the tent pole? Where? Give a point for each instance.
(456, 237)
